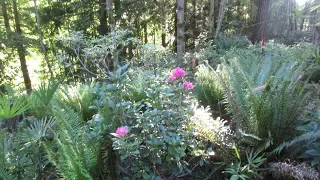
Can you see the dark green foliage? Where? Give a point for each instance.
(264, 96)
(208, 90)
(69, 152)
(225, 42)
(12, 106)
(41, 98)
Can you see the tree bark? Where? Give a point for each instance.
(21, 49)
(180, 28)
(145, 32)
(260, 29)
(220, 17)
(316, 36)
(42, 45)
(5, 16)
(103, 30)
(109, 7)
(211, 19)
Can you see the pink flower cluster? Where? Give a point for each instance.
(121, 131)
(177, 73)
(188, 85)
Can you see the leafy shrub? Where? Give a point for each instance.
(154, 135)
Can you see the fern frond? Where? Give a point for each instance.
(6, 175)
(70, 152)
(308, 136)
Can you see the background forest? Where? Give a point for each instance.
(159, 89)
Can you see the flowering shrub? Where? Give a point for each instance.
(161, 141)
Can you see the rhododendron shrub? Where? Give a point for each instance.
(154, 137)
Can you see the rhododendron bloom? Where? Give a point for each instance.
(188, 85)
(121, 131)
(178, 72)
(171, 78)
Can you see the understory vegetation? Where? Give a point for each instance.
(159, 90)
(251, 113)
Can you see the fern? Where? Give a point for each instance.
(70, 151)
(5, 175)
(266, 100)
(308, 136)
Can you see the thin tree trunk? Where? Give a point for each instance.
(260, 29)
(145, 32)
(21, 49)
(316, 36)
(109, 7)
(5, 17)
(220, 17)
(43, 48)
(211, 19)
(194, 24)
(180, 28)
(103, 30)
(8, 31)
(163, 35)
(175, 45)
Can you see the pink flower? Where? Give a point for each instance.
(188, 85)
(171, 78)
(178, 72)
(121, 131)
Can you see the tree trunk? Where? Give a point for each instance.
(211, 19)
(21, 49)
(260, 29)
(316, 36)
(180, 28)
(145, 32)
(175, 45)
(220, 17)
(5, 17)
(103, 30)
(42, 45)
(163, 35)
(194, 25)
(109, 7)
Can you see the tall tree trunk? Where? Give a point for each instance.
(260, 29)
(103, 30)
(211, 19)
(163, 35)
(109, 7)
(145, 32)
(175, 45)
(180, 28)
(302, 24)
(21, 49)
(220, 17)
(42, 45)
(194, 25)
(8, 31)
(5, 17)
(316, 36)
